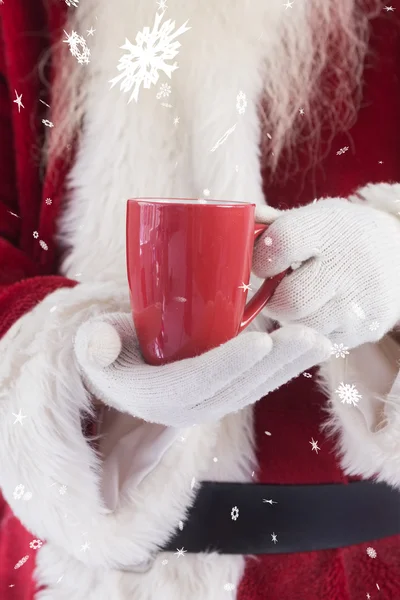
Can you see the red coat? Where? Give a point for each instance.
(292, 414)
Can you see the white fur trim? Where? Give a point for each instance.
(40, 378)
(194, 577)
(368, 433)
(383, 196)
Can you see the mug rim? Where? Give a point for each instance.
(190, 201)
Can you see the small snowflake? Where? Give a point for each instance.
(374, 326)
(245, 287)
(18, 101)
(371, 552)
(35, 544)
(234, 513)
(90, 31)
(348, 394)
(301, 111)
(180, 525)
(176, 120)
(43, 245)
(35, 235)
(308, 375)
(144, 60)
(85, 546)
(164, 562)
(342, 150)
(48, 201)
(358, 310)
(180, 552)
(27, 496)
(19, 491)
(274, 537)
(162, 4)
(223, 138)
(78, 47)
(165, 91)
(389, 8)
(339, 350)
(314, 445)
(62, 490)
(21, 562)
(229, 587)
(241, 103)
(47, 123)
(72, 3)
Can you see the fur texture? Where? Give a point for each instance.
(130, 150)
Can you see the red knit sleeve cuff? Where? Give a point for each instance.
(19, 298)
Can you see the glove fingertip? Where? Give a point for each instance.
(98, 344)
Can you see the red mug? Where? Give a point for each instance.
(189, 263)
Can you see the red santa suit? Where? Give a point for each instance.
(53, 515)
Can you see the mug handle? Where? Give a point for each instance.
(266, 291)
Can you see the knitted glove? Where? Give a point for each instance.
(346, 278)
(194, 390)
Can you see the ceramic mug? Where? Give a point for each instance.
(189, 264)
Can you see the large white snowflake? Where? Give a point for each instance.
(348, 394)
(144, 60)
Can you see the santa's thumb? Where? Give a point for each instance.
(267, 214)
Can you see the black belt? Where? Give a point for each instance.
(275, 519)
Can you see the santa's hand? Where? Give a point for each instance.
(194, 390)
(346, 278)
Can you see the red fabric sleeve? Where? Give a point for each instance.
(21, 284)
(18, 299)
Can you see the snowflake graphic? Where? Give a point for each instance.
(180, 552)
(19, 491)
(371, 552)
(21, 562)
(241, 102)
(62, 490)
(342, 150)
(48, 201)
(72, 3)
(27, 496)
(348, 394)
(164, 562)
(165, 90)
(35, 544)
(234, 513)
(358, 310)
(43, 245)
(78, 47)
(308, 375)
(144, 60)
(374, 326)
(339, 350)
(35, 235)
(229, 587)
(47, 123)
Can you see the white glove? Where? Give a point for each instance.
(346, 282)
(194, 390)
